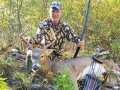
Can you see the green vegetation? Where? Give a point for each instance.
(12, 72)
(22, 76)
(3, 84)
(63, 81)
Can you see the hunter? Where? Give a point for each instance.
(55, 28)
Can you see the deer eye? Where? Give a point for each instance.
(42, 56)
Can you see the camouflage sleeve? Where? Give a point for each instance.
(70, 34)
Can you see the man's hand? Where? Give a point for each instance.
(25, 39)
(81, 44)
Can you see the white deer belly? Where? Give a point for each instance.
(95, 68)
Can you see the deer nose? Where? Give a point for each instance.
(35, 67)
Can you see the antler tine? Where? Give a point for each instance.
(23, 38)
(24, 30)
(52, 34)
(50, 44)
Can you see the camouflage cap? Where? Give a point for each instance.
(56, 5)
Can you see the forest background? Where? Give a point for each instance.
(103, 27)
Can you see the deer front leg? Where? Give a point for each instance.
(74, 79)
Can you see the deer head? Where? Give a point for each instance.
(38, 55)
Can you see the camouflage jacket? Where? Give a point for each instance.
(62, 32)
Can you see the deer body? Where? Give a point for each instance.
(76, 66)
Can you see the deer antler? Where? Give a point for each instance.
(24, 38)
(23, 33)
(52, 34)
(24, 30)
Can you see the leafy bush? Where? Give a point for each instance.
(21, 76)
(116, 49)
(63, 81)
(3, 84)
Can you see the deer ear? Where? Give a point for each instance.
(48, 51)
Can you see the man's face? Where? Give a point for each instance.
(55, 14)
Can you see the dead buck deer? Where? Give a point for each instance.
(78, 67)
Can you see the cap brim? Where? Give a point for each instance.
(57, 7)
